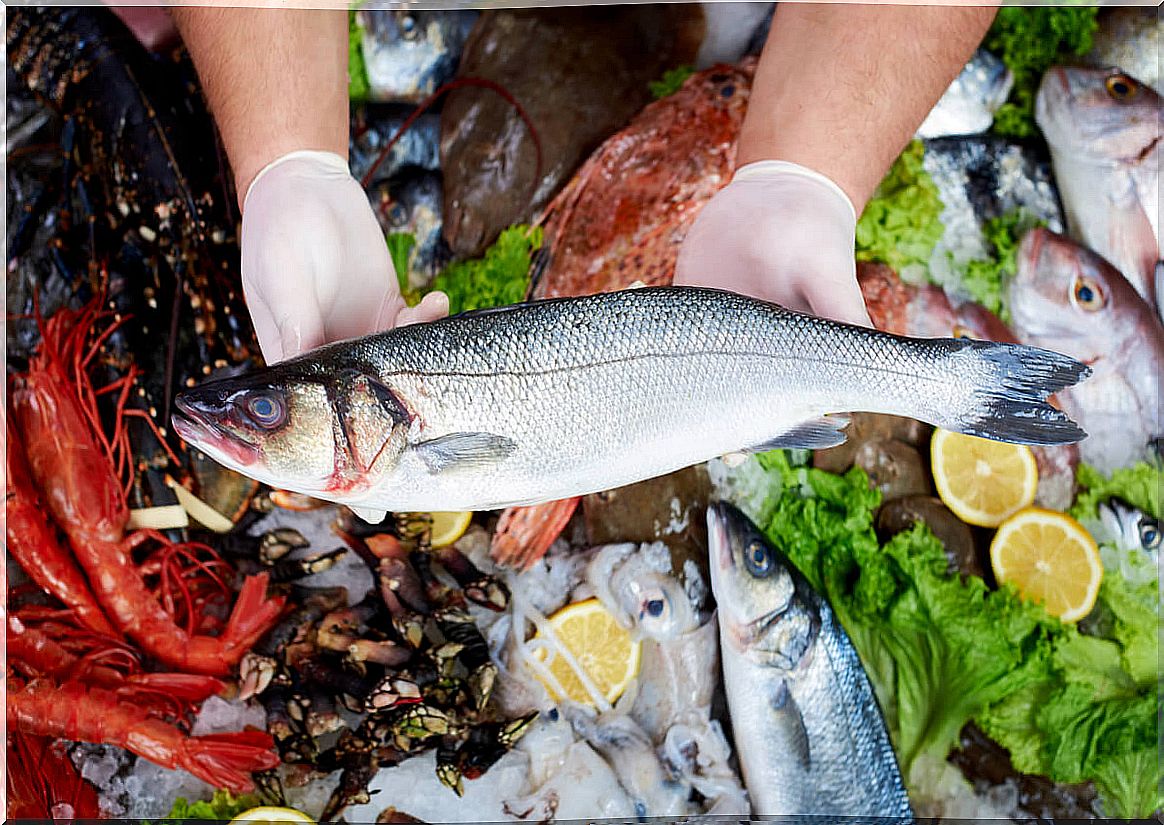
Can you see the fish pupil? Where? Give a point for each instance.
(655, 607)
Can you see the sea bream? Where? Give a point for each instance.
(1066, 297)
(1104, 129)
(806, 724)
(553, 399)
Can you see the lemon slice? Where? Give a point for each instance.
(448, 527)
(270, 813)
(606, 652)
(1051, 559)
(983, 482)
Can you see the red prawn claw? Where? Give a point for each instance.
(524, 534)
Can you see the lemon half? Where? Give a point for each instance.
(448, 527)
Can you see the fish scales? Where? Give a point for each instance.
(806, 723)
(559, 398)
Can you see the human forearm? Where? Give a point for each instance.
(841, 88)
(276, 80)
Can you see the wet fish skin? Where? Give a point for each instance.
(559, 398)
(373, 125)
(409, 53)
(410, 202)
(1105, 130)
(1066, 297)
(807, 727)
(967, 107)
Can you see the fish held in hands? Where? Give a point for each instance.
(554, 399)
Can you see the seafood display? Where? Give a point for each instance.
(428, 415)
(623, 551)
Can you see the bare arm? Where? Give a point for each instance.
(841, 88)
(276, 80)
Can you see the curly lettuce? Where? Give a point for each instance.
(358, 87)
(670, 82)
(1030, 40)
(501, 276)
(984, 279)
(901, 225)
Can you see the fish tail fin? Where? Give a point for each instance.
(1010, 401)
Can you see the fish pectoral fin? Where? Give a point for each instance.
(372, 515)
(814, 434)
(783, 705)
(464, 450)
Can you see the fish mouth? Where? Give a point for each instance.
(718, 540)
(199, 430)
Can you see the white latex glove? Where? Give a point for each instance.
(315, 264)
(781, 233)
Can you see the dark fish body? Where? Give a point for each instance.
(555, 399)
(807, 727)
(410, 202)
(593, 64)
(374, 125)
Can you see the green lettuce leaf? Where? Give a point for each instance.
(900, 225)
(984, 279)
(1141, 485)
(399, 245)
(1029, 40)
(222, 806)
(670, 82)
(498, 278)
(358, 87)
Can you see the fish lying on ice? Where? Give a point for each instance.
(806, 724)
(1067, 297)
(967, 107)
(979, 178)
(553, 399)
(1104, 129)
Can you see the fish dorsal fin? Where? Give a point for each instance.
(783, 704)
(464, 450)
(814, 434)
(372, 515)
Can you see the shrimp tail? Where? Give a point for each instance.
(226, 760)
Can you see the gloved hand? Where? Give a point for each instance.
(315, 264)
(781, 233)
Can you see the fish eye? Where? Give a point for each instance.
(266, 409)
(758, 559)
(1121, 87)
(654, 605)
(1149, 534)
(1088, 294)
(407, 25)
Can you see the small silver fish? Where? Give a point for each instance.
(967, 107)
(1066, 297)
(1129, 528)
(559, 398)
(1104, 129)
(807, 726)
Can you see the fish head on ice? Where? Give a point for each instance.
(1103, 114)
(294, 427)
(767, 611)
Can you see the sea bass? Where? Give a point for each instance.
(552, 399)
(807, 726)
(1104, 129)
(1066, 297)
